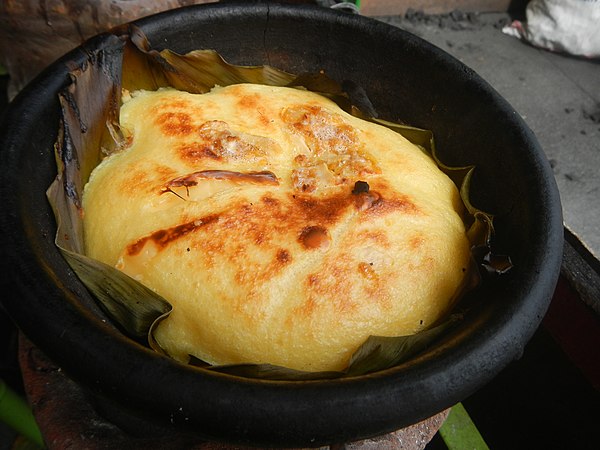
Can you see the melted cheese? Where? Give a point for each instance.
(281, 229)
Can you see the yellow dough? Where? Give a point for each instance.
(281, 229)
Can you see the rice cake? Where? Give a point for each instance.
(281, 229)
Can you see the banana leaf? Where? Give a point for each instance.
(89, 130)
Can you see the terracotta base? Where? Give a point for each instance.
(67, 418)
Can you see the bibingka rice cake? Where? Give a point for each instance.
(281, 229)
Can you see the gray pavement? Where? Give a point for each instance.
(558, 96)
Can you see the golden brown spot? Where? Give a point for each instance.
(175, 123)
(270, 201)
(338, 284)
(367, 271)
(416, 242)
(314, 237)
(377, 237)
(374, 286)
(283, 256)
(196, 151)
(146, 178)
(330, 281)
(265, 120)
(374, 203)
(250, 101)
(400, 203)
(425, 265)
(326, 210)
(300, 159)
(135, 180)
(307, 309)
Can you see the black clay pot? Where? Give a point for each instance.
(407, 80)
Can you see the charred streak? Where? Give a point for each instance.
(263, 177)
(72, 105)
(161, 238)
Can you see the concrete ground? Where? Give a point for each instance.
(557, 95)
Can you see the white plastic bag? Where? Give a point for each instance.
(570, 26)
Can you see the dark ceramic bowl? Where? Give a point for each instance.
(407, 79)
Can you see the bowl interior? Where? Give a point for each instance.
(407, 80)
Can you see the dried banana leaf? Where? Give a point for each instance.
(382, 352)
(89, 130)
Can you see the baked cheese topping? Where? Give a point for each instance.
(281, 229)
